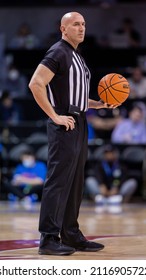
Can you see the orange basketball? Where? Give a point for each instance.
(113, 89)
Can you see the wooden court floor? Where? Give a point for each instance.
(121, 229)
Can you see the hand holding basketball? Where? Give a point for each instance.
(113, 89)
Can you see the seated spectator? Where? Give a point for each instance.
(137, 82)
(111, 183)
(10, 112)
(15, 82)
(101, 123)
(27, 179)
(131, 130)
(24, 38)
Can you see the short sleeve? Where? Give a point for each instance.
(53, 60)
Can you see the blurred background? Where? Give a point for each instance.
(115, 43)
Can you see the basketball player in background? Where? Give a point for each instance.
(60, 86)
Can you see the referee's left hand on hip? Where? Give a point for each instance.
(67, 121)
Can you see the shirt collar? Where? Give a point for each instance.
(67, 43)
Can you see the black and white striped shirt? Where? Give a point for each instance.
(70, 85)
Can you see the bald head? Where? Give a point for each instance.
(68, 17)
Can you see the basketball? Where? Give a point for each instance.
(113, 89)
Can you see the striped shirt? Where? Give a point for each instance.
(70, 85)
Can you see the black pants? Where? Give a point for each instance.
(63, 189)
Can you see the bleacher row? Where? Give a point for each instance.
(133, 156)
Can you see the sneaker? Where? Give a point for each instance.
(53, 246)
(100, 199)
(80, 243)
(87, 246)
(26, 202)
(99, 209)
(115, 199)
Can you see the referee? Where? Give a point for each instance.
(60, 85)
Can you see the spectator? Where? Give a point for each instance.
(131, 130)
(137, 82)
(24, 38)
(15, 82)
(101, 123)
(27, 179)
(10, 113)
(110, 183)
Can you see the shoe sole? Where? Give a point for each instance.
(89, 249)
(86, 249)
(55, 253)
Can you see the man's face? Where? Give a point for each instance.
(28, 160)
(74, 28)
(110, 156)
(136, 115)
(137, 75)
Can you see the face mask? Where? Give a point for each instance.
(13, 75)
(28, 162)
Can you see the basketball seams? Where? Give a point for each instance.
(102, 87)
(99, 93)
(113, 95)
(108, 89)
(110, 80)
(119, 90)
(112, 86)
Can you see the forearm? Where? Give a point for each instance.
(40, 95)
(95, 104)
(99, 104)
(34, 181)
(25, 180)
(42, 77)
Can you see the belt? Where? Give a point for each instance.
(65, 112)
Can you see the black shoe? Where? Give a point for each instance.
(88, 246)
(78, 241)
(85, 245)
(55, 247)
